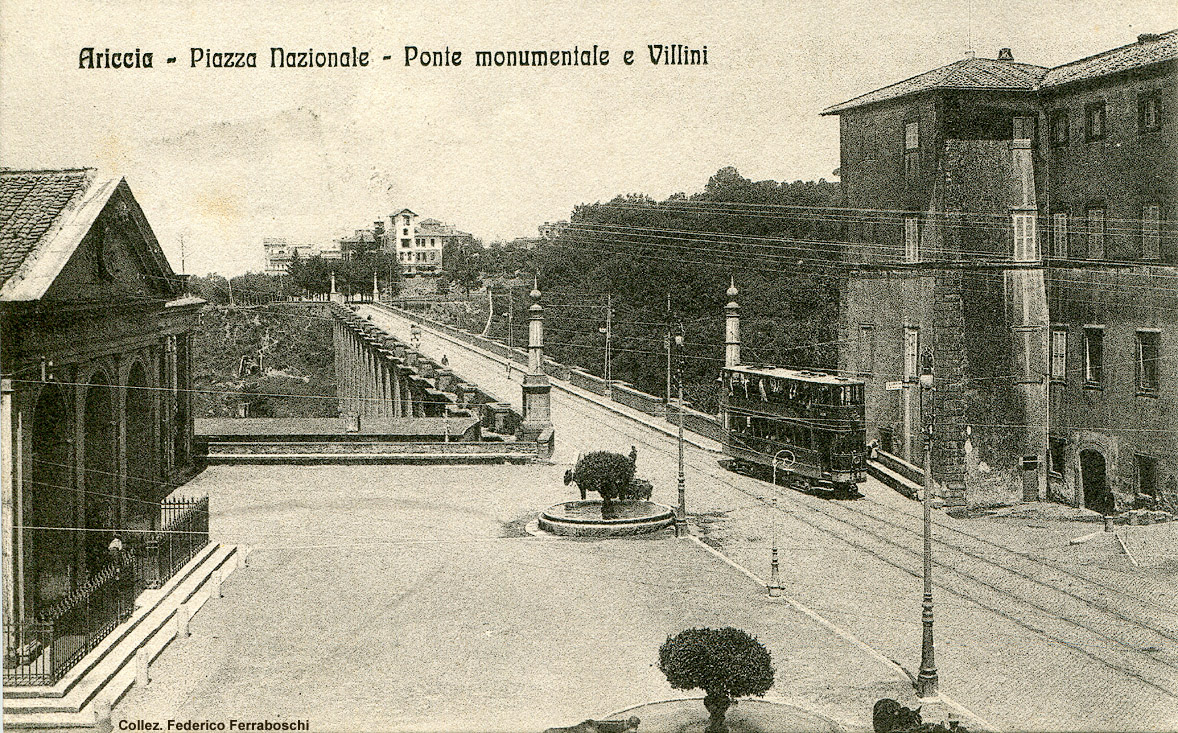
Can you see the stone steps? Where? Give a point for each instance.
(891, 478)
(107, 672)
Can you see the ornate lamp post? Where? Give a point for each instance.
(926, 680)
(775, 586)
(681, 512)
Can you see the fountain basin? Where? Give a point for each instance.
(585, 519)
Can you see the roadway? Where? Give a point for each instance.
(1032, 633)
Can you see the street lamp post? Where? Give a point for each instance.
(775, 586)
(681, 512)
(926, 680)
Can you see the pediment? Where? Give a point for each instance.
(117, 258)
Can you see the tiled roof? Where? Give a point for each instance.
(971, 73)
(30, 203)
(1147, 50)
(974, 73)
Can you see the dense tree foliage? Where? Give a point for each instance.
(725, 663)
(772, 238)
(353, 275)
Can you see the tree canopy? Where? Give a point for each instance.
(725, 663)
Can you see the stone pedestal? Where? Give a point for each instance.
(537, 415)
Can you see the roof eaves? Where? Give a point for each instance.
(57, 245)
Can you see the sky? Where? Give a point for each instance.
(220, 158)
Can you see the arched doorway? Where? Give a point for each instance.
(1097, 495)
(142, 473)
(49, 501)
(99, 472)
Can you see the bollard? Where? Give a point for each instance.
(1108, 523)
(182, 621)
(215, 588)
(142, 674)
(102, 721)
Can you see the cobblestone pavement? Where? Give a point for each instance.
(1032, 632)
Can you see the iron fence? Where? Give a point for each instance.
(41, 651)
(184, 532)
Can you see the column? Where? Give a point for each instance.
(537, 417)
(7, 494)
(732, 327)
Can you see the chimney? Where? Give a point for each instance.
(1005, 55)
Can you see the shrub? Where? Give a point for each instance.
(725, 663)
(609, 474)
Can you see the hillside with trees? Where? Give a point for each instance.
(769, 237)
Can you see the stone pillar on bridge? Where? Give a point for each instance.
(398, 405)
(537, 416)
(731, 336)
(372, 393)
(337, 342)
(335, 297)
(732, 327)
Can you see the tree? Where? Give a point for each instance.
(725, 663)
(461, 263)
(609, 474)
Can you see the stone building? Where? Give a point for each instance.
(420, 243)
(95, 360)
(1010, 227)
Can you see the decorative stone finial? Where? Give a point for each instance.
(732, 291)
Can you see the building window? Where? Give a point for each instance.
(1026, 245)
(912, 239)
(1059, 234)
(1147, 475)
(1147, 362)
(1151, 215)
(1059, 128)
(911, 149)
(1059, 354)
(866, 349)
(405, 218)
(911, 135)
(1096, 234)
(1149, 112)
(1094, 122)
(1094, 356)
(911, 350)
(1055, 455)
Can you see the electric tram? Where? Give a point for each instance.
(800, 428)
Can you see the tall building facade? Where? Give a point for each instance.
(1010, 228)
(420, 243)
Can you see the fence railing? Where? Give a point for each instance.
(42, 650)
(184, 532)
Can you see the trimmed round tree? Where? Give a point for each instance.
(725, 663)
(609, 474)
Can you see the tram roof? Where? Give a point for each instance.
(801, 375)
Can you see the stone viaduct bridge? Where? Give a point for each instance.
(381, 377)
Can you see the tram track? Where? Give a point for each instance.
(988, 580)
(1155, 673)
